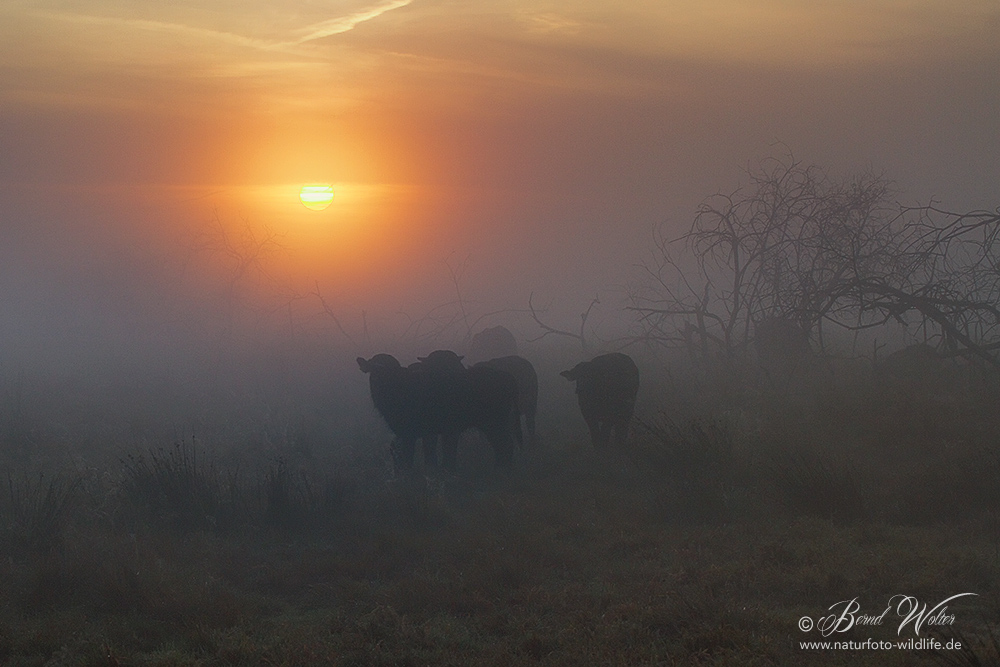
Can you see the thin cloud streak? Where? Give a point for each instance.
(159, 26)
(344, 23)
(330, 27)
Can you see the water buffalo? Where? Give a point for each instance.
(606, 387)
(417, 403)
(438, 361)
(527, 387)
(492, 343)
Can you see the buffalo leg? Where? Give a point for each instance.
(605, 434)
(529, 425)
(515, 424)
(595, 432)
(503, 447)
(621, 432)
(430, 444)
(402, 453)
(449, 451)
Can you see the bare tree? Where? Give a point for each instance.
(247, 253)
(761, 253)
(951, 283)
(800, 248)
(245, 250)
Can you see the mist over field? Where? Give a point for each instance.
(786, 214)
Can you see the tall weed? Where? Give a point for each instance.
(35, 512)
(175, 488)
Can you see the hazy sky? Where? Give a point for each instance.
(538, 141)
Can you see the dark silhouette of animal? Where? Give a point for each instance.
(418, 402)
(438, 361)
(527, 387)
(447, 361)
(492, 343)
(606, 387)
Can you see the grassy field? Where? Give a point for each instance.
(704, 543)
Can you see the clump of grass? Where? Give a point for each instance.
(978, 648)
(418, 501)
(176, 489)
(35, 513)
(808, 483)
(696, 461)
(962, 483)
(293, 501)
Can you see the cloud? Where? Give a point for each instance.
(551, 23)
(344, 23)
(334, 26)
(158, 26)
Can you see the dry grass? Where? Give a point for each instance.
(703, 544)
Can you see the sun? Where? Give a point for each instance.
(316, 196)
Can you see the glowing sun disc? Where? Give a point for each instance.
(316, 197)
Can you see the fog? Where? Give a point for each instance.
(158, 276)
(116, 285)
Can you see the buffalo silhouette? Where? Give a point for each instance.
(606, 387)
(491, 343)
(420, 402)
(527, 387)
(438, 361)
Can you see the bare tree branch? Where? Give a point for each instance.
(548, 330)
(336, 320)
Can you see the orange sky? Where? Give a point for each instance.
(539, 140)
